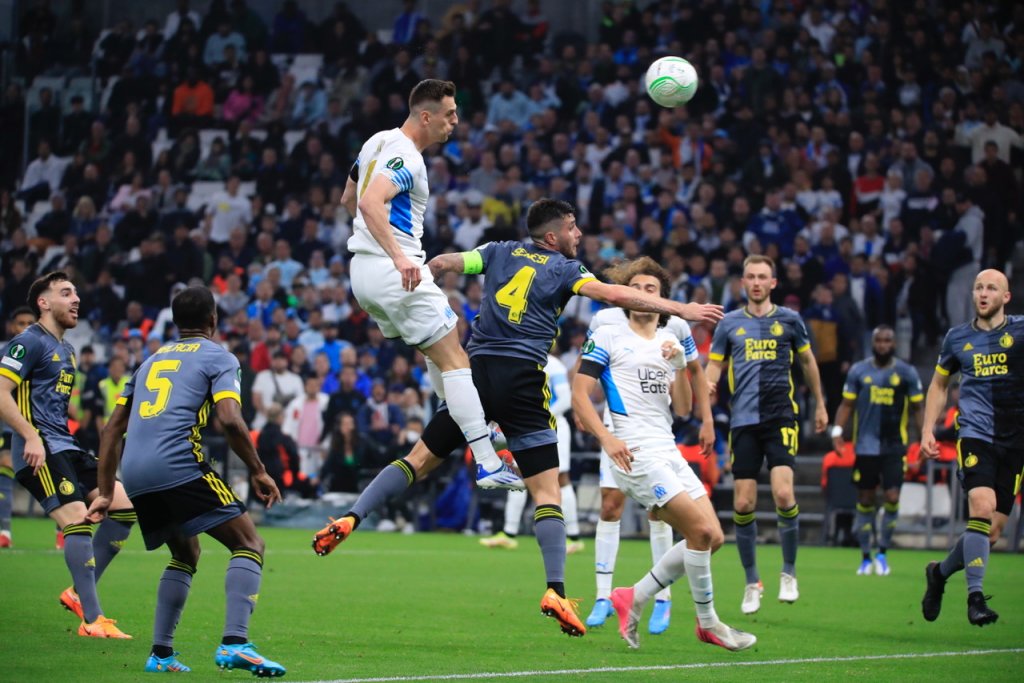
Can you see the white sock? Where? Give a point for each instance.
(464, 407)
(436, 379)
(606, 548)
(663, 574)
(661, 541)
(514, 506)
(698, 573)
(572, 520)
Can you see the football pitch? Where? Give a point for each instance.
(433, 607)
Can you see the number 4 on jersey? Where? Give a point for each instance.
(513, 295)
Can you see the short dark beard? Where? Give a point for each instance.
(883, 359)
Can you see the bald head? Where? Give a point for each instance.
(992, 275)
(991, 294)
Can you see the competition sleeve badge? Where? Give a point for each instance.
(588, 346)
(395, 164)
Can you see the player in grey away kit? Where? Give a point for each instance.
(526, 288)
(160, 417)
(988, 352)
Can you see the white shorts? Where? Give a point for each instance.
(658, 478)
(564, 443)
(605, 479)
(420, 317)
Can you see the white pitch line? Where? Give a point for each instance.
(670, 667)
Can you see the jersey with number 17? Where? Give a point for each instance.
(392, 154)
(525, 290)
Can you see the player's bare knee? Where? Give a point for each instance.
(611, 509)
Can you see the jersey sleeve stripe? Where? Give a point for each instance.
(716, 356)
(121, 401)
(850, 395)
(916, 398)
(942, 371)
(804, 347)
(582, 281)
(221, 395)
(11, 376)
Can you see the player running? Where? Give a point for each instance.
(40, 367)
(163, 411)
(526, 288)
(879, 393)
(559, 403)
(387, 194)
(641, 367)
(761, 341)
(613, 500)
(988, 352)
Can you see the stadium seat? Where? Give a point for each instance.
(292, 138)
(840, 496)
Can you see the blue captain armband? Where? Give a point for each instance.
(472, 262)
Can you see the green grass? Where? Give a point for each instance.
(434, 605)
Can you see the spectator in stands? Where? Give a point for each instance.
(347, 454)
(214, 51)
(380, 420)
(310, 106)
(193, 102)
(274, 385)
(43, 175)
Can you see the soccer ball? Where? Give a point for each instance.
(671, 81)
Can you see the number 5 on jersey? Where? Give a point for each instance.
(161, 386)
(513, 295)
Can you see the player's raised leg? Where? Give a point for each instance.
(448, 356)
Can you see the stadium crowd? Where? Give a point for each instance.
(872, 149)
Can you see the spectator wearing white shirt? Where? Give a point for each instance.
(226, 211)
(42, 177)
(277, 385)
(868, 241)
(1004, 137)
(470, 230)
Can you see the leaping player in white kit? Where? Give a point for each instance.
(640, 367)
(387, 193)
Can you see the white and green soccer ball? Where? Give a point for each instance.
(671, 81)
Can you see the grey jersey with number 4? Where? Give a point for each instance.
(171, 396)
(525, 290)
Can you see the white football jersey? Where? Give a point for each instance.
(613, 315)
(558, 386)
(637, 383)
(394, 155)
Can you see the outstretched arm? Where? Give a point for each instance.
(373, 207)
(635, 300)
(584, 411)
